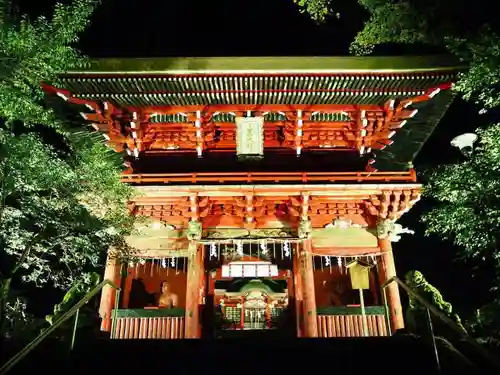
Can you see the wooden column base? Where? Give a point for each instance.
(392, 290)
(309, 295)
(192, 317)
(108, 294)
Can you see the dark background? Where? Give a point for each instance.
(162, 28)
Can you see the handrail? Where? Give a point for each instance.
(68, 314)
(303, 177)
(464, 335)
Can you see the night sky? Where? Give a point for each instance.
(161, 28)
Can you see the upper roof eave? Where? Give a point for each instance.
(260, 65)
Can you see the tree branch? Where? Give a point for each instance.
(24, 254)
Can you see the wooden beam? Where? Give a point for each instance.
(222, 108)
(270, 177)
(345, 251)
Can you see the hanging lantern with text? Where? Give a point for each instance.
(250, 269)
(250, 137)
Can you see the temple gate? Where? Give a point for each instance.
(261, 178)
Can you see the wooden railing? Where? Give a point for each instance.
(348, 321)
(350, 325)
(149, 324)
(459, 331)
(270, 177)
(73, 311)
(150, 328)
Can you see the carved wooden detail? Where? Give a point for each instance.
(336, 208)
(392, 204)
(364, 128)
(163, 211)
(250, 211)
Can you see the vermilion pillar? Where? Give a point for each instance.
(392, 291)
(192, 316)
(200, 294)
(108, 294)
(297, 293)
(308, 292)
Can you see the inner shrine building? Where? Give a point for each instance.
(262, 179)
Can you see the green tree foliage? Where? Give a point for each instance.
(317, 9)
(468, 212)
(62, 204)
(468, 197)
(58, 215)
(467, 193)
(467, 31)
(20, 323)
(416, 313)
(58, 210)
(35, 51)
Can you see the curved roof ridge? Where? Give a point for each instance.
(269, 64)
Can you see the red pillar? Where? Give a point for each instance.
(309, 295)
(298, 292)
(108, 294)
(192, 315)
(392, 291)
(201, 288)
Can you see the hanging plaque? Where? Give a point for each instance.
(226, 271)
(274, 270)
(249, 270)
(263, 270)
(359, 272)
(250, 137)
(236, 270)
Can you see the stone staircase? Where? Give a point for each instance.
(243, 355)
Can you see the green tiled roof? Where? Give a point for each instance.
(206, 81)
(311, 64)
(233, 89)
(282, 80)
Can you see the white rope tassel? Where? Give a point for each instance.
(239, 248)
(286, 249)
(339, 264)
(164, 263)
(263, 247)
(213, 251)
(328, 262)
